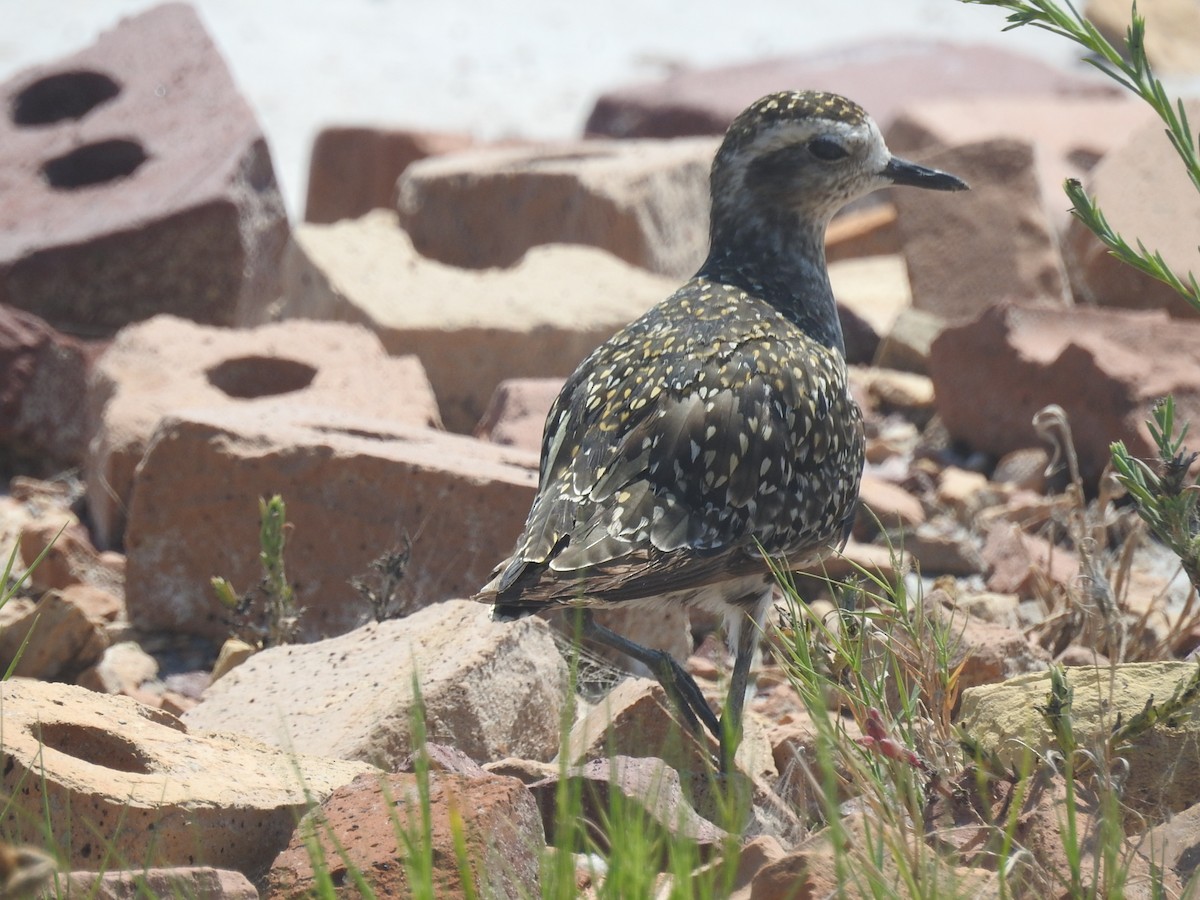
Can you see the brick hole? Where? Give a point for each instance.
(94, 164)
(68, 95)
(96, 746)
(248, 377)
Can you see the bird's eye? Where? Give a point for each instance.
(827, 149)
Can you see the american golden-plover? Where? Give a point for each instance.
(716, 433)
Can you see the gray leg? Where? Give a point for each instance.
(731, 719)
(679, 685)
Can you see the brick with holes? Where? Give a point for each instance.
(136, 180)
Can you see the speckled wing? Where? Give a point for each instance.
(673, 452)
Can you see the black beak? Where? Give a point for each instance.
(901, 171)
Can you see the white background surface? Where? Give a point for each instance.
(528, 68)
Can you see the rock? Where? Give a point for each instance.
(957, 263)
(69, 557)
(986, 653)
(124, 668)
(471, 330)
(798, 875)
(647, 784)
(1105, 368)
(444, 758)
(645, 202)
(516, 414)
(755, 854)
(1069, 133)
(999, 609)
(1172, 30)
(353, 170)
(635, 718)
(1039, 829)
(965, 493)
(796, 752)
(873, 292)
(861, 232)
(942, 546)
(884, 76)
(1163, 763)
(355, 487)
(233, 653)
(148, 790)
(181, 881)
(1024, 469)
(54, 637)
(1024, 564)
(490, 826)
(1145, 194)
(168, 364)
(137, 182)
(43, 376)
(906, 345)
(489, 689)
(885, 505)
(1176, 842)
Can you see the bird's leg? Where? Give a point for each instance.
(679, 685)
(735, 701)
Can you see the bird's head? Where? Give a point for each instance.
(807, 153)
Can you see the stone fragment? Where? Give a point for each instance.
(1070, 133)
(907, 393)
(988, 606)
(43, 377)
(180, 881)
(1024, 469)
(233, 653)
(355, 487)
(168, 364)
(645, 202)
(489, 826)
(137, 181)
(884, 76)
(130, 783)
(857, 233)
(1024, 564)
(471, 330)
(970, 250)
(516, 414)
(943, 546)
(906, 345)
(635, 718)
(1105, 368)
(1176, 842)
(124, 668)
(66, 552)
(964, 493)
(489, 689)
(1146, 195)
(886, 505)
(870, 293)
(1163, 763)
(54, 638)
(986, 653)
(353, 170)
(646, 782)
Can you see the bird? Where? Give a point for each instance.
(715, 437)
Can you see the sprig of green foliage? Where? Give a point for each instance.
(1165, 497)
(282, 615)
(1131, 69)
